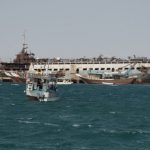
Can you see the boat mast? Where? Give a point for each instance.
(24, 49)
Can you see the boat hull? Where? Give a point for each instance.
(108, 81)
(41, 95)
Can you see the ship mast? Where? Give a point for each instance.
(24, 49)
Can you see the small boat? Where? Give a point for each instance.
(107, 83)
(63, 81)
(41, 87)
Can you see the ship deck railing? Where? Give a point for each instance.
(92, 62)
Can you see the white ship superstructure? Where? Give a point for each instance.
(85, 67)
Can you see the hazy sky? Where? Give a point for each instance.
(75, 28)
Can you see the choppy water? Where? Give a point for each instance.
(85, 117)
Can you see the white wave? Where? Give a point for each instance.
(51, 124)
(15, 84)
(89, 125)
(52, 99)
(136, 131)
(76, 125)
(13, 104)
(45, 147)
(29, 122)
(29, 118)
(84, 148)
(112, 112)
(67, 116)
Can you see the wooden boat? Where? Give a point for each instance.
(92, 79)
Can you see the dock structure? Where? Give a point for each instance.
(71, 69)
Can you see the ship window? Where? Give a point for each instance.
(132, 68)
(61, 69)
(96, 68)
(90, 68)
(84, 68)
(138, 68)
(39, 70)
(67, 69)
(55, 69)
(50, 69)
(102, 68)
(113, 69)
(119, 68)
(77, 71)
(126, 68)
(108, 69)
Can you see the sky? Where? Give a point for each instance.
(75, 28)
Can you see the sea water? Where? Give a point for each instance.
(85, 117)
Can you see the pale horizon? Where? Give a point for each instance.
(75, 29)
